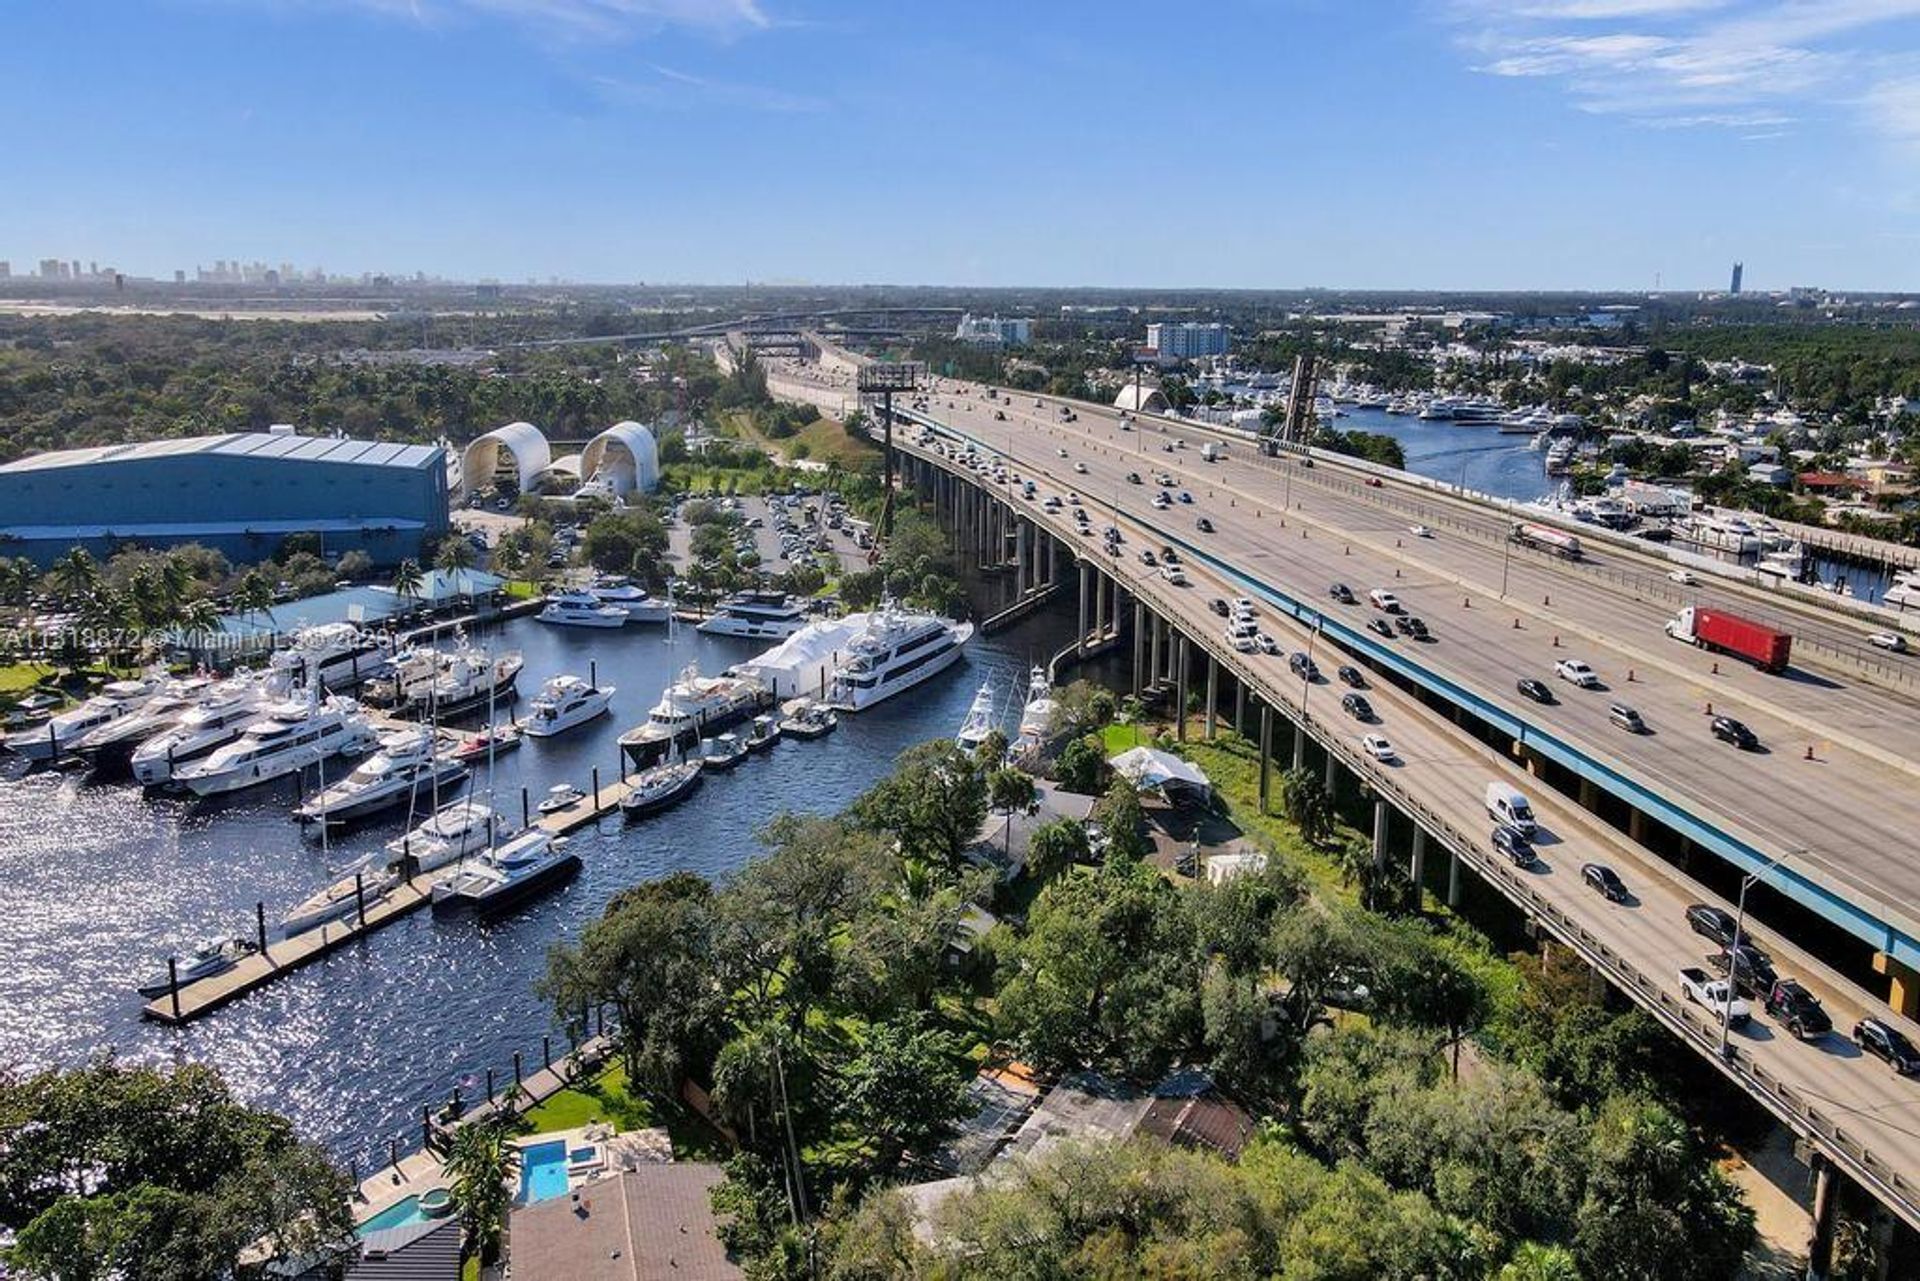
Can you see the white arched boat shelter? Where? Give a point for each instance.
(626, 455)
(524, 443)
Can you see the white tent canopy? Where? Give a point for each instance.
(1149, 768)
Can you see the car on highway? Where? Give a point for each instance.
(1684, 577)
(1420, 531)
(1377, 746)
(1185, 497)
(1061, 452)
(1513, 843)
(1600, 877)
(1243, 605)
(1133, 478)
(1798, 1010)
(1885, 1041)
(1711, 922)
(1268, 645)
(1342, 593)
(1715, 994)
(1350, 675)
(1174, 574)
(1380, 626)
(1147, 557)
(1373, 482)
(1729, 730)
(1892, 642)
(1575, 671)
(1161, 502)
(1384, 600)
(1170, 555)
(1219, 606)
(1073, 500)
(1204, 525)
(1534, 689)
(1626, 718)
(999, 415)
(1749, 967)
(1080, 469)
(1303, 667)
(1411, 625)
(1357, 706)
(1053, 503)
(1163, 479)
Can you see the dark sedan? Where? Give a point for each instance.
(1357, 706)
(1711, 922)
(1534, 689)
(1884, 1041)
(1380, 626)
(1728, 730)
(1350, 675)
(1599, 876)
(1342, 593)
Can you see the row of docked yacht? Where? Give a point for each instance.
(605, 602)
(424, 680)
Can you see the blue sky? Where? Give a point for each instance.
(1238, 143)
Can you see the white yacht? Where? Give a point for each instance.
(504, 875)
(455, 831)
(332, 656)
(290, 737)
(1904, 590)
(757, 616)
(116, 701)
(581, 609)
(979, 720)
(405, 767)
(691, 707)
(226, 710)
(1785, 564)
(114, 742)
(364, 882)
(1040, 715)
(899, 649)
(462, 680)
(622, 594)
(564, 702)
(205, 961)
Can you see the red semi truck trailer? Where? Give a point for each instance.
(1725, 633)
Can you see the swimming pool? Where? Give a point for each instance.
(543, 1171)
(397, 1215)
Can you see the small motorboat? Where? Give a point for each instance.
(810, 720)
(722, 753)
(205, 962)
(764, 734)
(561, 796)
(499, 738)
(656, 789)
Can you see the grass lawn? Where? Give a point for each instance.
(825, 440)
(606, 1098)
(20, 677)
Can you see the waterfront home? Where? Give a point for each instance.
(645, 1224)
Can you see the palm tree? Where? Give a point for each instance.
(1008, 790)
(254, 594)
(477, 1167)
(455, 554)
(75, 574)
(407, 580)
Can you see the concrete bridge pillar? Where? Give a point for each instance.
(1589, 794)
(1417, 869)
(1081, 643)
(1159, 671)
(1180, 688)
(1381, 821)
(1331, 775)
(1299, 745)
(1020, 555)
(1213, 689)
(1637, 826)
(1820, 1248)
(1102, 588)
(1053, 551)
(1266, 752)
(1239, 705)
(1453, 878)
(1139, 642)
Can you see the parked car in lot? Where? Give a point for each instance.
(1715, 994)
(1342, 593)
(1513, 843)
(1748, 967)
(1351, 676)
(1376, 746)
(1576, 672)
(1729, 730)
(1600, 877)
(1885, 1041)
(1534, 689)
(1798, 1010)
(1357, 706)
(1711, 922)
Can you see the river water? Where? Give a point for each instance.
(98, 883)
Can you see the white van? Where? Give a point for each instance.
(1508, 805)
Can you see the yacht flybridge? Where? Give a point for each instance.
(226, 710)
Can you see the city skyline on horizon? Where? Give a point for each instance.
(1462, 145)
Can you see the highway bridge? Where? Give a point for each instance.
(1819, 817)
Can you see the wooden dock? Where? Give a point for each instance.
(283, 956)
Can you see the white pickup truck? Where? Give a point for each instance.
(1703, 989)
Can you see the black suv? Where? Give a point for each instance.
(1357, 706)
(1715, 923)
(1204, 525)
(1798, 1009)
(1342, 593)
(1884, 1041)
(1604, 879)
(1304, 667)
(1728, 730)
(1749, 967)
(1351, 676)
(1219, 606)
(1381, 626)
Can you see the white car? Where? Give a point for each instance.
(1420, 531)
(1378, 747)
(1073, 500)
(1161, 502)
(1053, 503)
(1243, 605)
(1684, 577)
(1173, 574)
(1061, 452)
(1384, 600)
(1080, 468)
(1577, 672)
(1242, 640)
(1268, 645)
(1892, 642)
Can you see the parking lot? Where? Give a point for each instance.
(778, 528)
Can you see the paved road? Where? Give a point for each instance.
(1446, 773)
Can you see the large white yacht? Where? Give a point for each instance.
(622, 594)
(506, 874)
(406, 766)
(220, 717)
(757, 616)
(332, 655)
(114, 742)
(115, 701)
(455, 831)
(431, 682)
(690, 709)
(581, 609)
(564, 702)
(290, 737)
(364, 882)
(899, 649)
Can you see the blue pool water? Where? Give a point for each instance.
(397, 1215)
(543, 1171)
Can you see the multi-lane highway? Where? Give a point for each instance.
(1440, 776)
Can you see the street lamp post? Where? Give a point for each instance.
(1506, 563)
(1739, 927)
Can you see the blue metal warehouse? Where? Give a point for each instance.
(241, 493)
